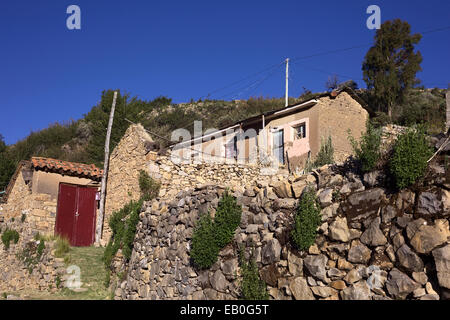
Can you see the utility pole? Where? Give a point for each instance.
(99, 228)
(287, 83)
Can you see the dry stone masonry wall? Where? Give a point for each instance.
(373, 243)
(46, 274)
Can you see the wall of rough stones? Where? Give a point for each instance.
(15, 275)
(40, 209)
(373, 243)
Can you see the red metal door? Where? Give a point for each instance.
(76, 214)
(67, 206)
(85, 217)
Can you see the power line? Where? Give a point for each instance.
(241, 80)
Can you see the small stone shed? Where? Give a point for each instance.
(56, 197)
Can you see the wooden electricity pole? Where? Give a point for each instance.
(287, 83)
(99, 228)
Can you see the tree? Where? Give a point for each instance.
(390, 65)
(332, 82)
(7, 166)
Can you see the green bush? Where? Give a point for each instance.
(211, 236)
(149, 187)
(227, 219)
(22, 219)
(325, 156)
(367, 151)
(326, 153)
(204, 250)
(252, 286)
(40, 248)
(307, 220)
(410, 155)
(8, 236)
(123, 225)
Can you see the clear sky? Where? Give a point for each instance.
(187, 49)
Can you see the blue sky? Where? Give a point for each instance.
(187, 49)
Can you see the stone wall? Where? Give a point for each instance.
(15, 274)
(40, 209)
(372, 244)
(127, 158)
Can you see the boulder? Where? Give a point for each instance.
(298, 187)
(300, 289)
(323, 292)
(295, 264)
(374, 178)
(428, 203)
(219, 282)
(360, 205)
(270, 275)
(357, 291)
(358, 253)
(315, 264)
(271, 252)
(338, 284)
(329, 212)
(352, 276)
(420, 277)
(373, 236)
(408, 259)
(339, 231)
(442, 260)
(399, 285)
(325, 197)
(388, 213)
(427, 237)
(283, 189)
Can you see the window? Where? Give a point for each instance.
(300, 131)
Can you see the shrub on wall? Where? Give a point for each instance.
(211, 236)
(149, 187)
(8, 236)
(325, 155)
(307, 220)
(123, 226)
(252, 286)
(204, 250)
(410, 155)
(227, 219)
(123, 222)
(367, 151)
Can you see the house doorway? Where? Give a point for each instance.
(278, 145)
(76, 214)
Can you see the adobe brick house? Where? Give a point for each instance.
(288, 135)
(56, 197)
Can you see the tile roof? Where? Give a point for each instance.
(66, 167)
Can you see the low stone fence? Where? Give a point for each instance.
(372, 244)
(45, 273)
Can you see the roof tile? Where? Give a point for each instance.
(69, 168)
